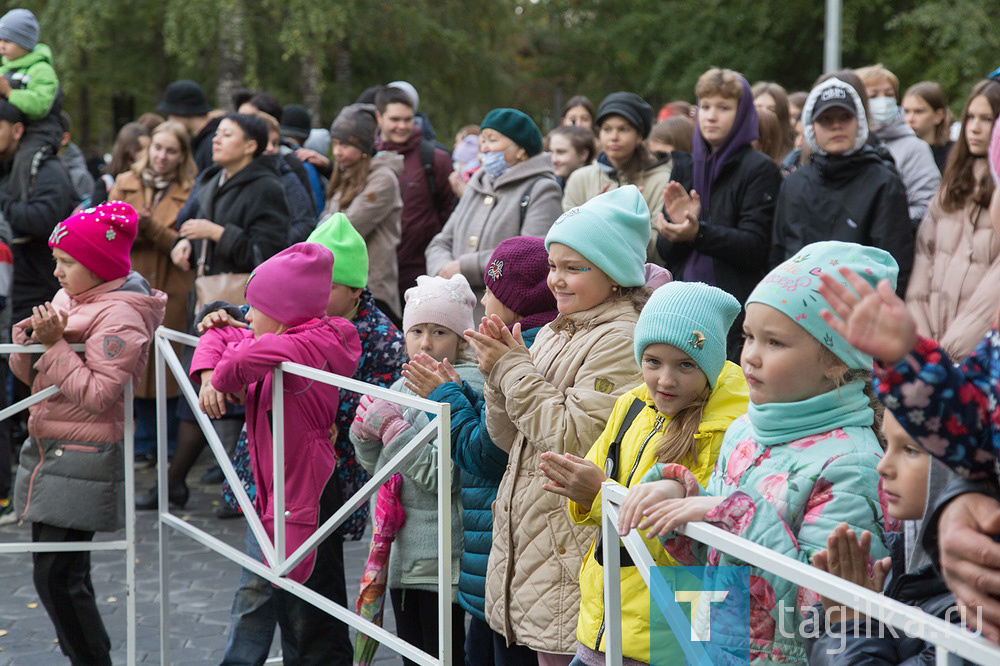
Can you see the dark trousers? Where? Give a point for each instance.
(306, 631)
(65, 590)
(513, 654)
(416, 613)
(479, 643)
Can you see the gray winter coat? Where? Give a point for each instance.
(915, 163)
(489, 212)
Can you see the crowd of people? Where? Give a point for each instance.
(775, 313)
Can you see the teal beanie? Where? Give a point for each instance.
(792, 289)
(516, 126)
(611, 231)
(350, 254)
(692, 316)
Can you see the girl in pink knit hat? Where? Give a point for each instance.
(70, 478)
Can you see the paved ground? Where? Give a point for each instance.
(200, 595)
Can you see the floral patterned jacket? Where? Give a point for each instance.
(952, 411)
(788, 497)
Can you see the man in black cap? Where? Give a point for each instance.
(185, 102)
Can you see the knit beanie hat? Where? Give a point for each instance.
(516, 126)
(296, 122)
(611, 231)
(184, 98)
(436, 300)
(99, 238)
(356, 125)
(21, 27)
(692, 316)
(791, 288)
(516, 275)
(350, 253)
(293, 286)
(629, 106)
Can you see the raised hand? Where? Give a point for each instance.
(680, 225)
(848, 557)
(571, 476)
(48, 323)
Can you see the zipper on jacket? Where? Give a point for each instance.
(635, 465)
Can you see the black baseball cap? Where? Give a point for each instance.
(834, 96)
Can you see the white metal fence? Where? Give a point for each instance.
(127, 545)
(276, 574)
(953, 643)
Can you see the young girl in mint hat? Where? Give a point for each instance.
(558, 397)
(802, 461)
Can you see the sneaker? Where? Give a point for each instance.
(7, 515)
(144, 460)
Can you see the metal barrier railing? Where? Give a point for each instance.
(439, 427)
(127, 545)
(953, 642)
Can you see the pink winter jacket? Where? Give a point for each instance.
(242, 361)
(116, 320)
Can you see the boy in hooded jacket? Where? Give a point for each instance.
(71, 476)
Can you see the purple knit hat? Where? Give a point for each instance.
(293, 286)
(516, 275)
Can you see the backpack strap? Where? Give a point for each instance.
(615, 448)
(427, 149)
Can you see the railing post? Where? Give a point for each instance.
(129, 444)
(278, 451)
(444, 535)
(612, 586)
(162, 487)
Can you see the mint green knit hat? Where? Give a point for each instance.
(611, 231)
(792, 289)
(692, 316)
(350, 254)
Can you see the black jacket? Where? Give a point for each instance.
(736, 230)
(32, 215)
(856, 198)
(251, 206)
(876, 645)
(201, 144)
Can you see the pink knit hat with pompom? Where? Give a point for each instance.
(99, 238)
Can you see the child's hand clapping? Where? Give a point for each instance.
(874, 322)
(218, 319)
(848, 557)
(423, 374)
(492, 341)
(571, 476)
(48, 324)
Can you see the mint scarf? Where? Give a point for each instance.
(781, 422)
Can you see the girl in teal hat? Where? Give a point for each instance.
(801, 462)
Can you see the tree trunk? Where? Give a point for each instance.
(312, 87)
(232, 51)
(83, 93)
(342, 72)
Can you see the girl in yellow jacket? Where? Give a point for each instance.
(679, 414)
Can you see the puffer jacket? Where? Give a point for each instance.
(375, 213)
(71, 470)
(489, 213)
(587, 182)
(557, 398)
(727, 402)
(413, 560)
(955, 285)
(915, 164)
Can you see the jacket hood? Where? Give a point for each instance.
(151, 304)
(387, 160)
(726, 403)
(897, 129)
(807, 118)
(916, 557)
(42, 53)
(533, 167)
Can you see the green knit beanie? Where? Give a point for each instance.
(611, 231)
(516, 126)
(350, 254)
(692, 316)
(792, 289)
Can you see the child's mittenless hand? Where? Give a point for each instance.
(48, 324)
(424, 374)
(849, 557)
(571, 476)
(875, 321)
(219, 319)
(668, 515)
(644, 496)
(492, 341)
(211, 400)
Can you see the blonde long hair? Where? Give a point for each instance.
(678, 444)
(186, 170)
(349, 182)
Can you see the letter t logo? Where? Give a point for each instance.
(694, 598)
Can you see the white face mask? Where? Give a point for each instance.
(884, 110)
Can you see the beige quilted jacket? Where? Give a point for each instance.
(955, 284)
(558, 398)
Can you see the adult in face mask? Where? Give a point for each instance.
(913, 156)
(515, 193)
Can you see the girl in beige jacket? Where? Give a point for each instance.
(558, 398)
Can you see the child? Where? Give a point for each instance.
(516, 291)
(679, 414)
(28, 82)
(229, 360)
(802, 460)
(71, 476)
(437, 310)
(912, 484)
(253, 617)
(558, 397)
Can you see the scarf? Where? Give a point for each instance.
(782, 422)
